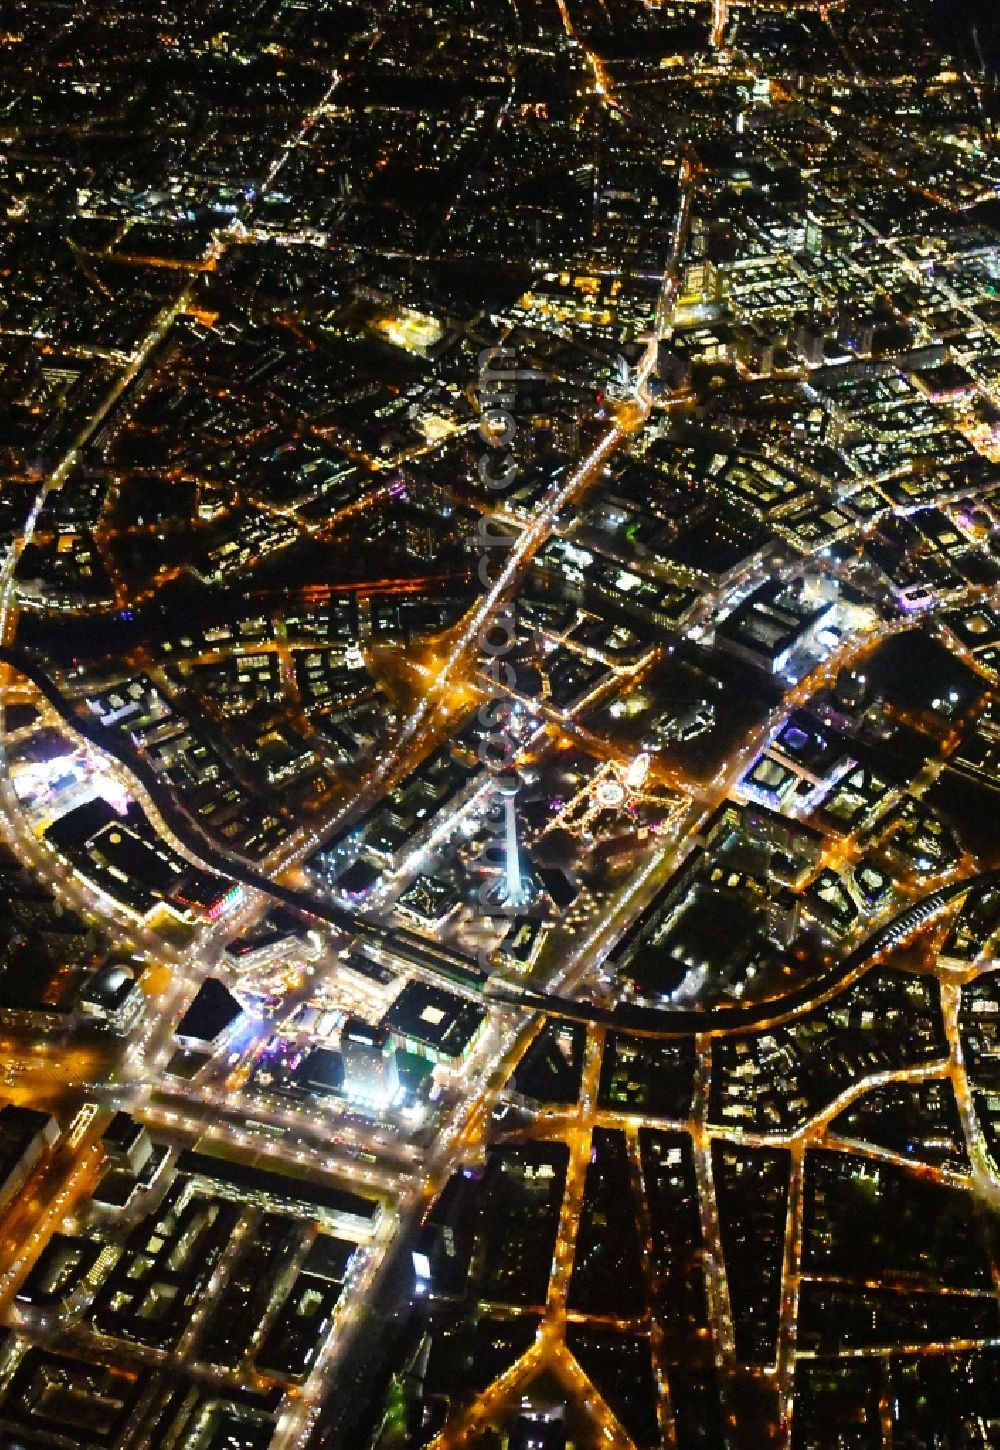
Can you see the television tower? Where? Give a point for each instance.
(508, 786)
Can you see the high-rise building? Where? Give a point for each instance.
(370, 1072)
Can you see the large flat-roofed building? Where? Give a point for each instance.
(112, 998)
(204, 895)
(445, 1242)
(435, 1024)
(262, 1180)
(270, 947)
(25, 1133)
(128, 860)
(776, 620)
(213, 1015)
(322, 1071)
(64, 1272)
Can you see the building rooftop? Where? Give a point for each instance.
(434, 1018)
(213, 1010)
